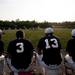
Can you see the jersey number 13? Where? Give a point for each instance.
(53, 45)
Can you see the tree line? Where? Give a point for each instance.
(33, 24)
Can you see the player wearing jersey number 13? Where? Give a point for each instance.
(20, 52)
(50, 46)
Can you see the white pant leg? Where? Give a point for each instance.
(53, 70)
(69, 62)
(12, 68)
(15, 71)
(1, 67)
(2, 59)
(48, 70)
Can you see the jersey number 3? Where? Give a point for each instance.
(53, 45)
(20, 47)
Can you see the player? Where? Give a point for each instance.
(70, 56)
(50, 46)
(1, 55)
(20, 52)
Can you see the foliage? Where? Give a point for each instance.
(22, 24)
(33, 24)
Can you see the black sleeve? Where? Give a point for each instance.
(68, 48)
(1, 47)
(30, 49)
(9, 50)
(40, 46)
(60, 47)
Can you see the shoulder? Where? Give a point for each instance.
(41, 40)
(56, 37)
(27, 41)
(1, 43)
(28, 44)
(71, 41)
(12, 41)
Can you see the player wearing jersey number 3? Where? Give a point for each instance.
(50, 46)
(20, 52)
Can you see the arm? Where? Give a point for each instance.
(9, 50)
(40, 47)
(1, 48)
(68, 48)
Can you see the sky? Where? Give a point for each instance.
(38, 10)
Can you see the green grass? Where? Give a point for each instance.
(64, 35)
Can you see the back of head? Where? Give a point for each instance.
(49, 31)
(73, 33)
(19, 34)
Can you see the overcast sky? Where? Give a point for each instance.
(38, 10)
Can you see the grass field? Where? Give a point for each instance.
(64, 35)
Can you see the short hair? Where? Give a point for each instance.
(19, 34)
